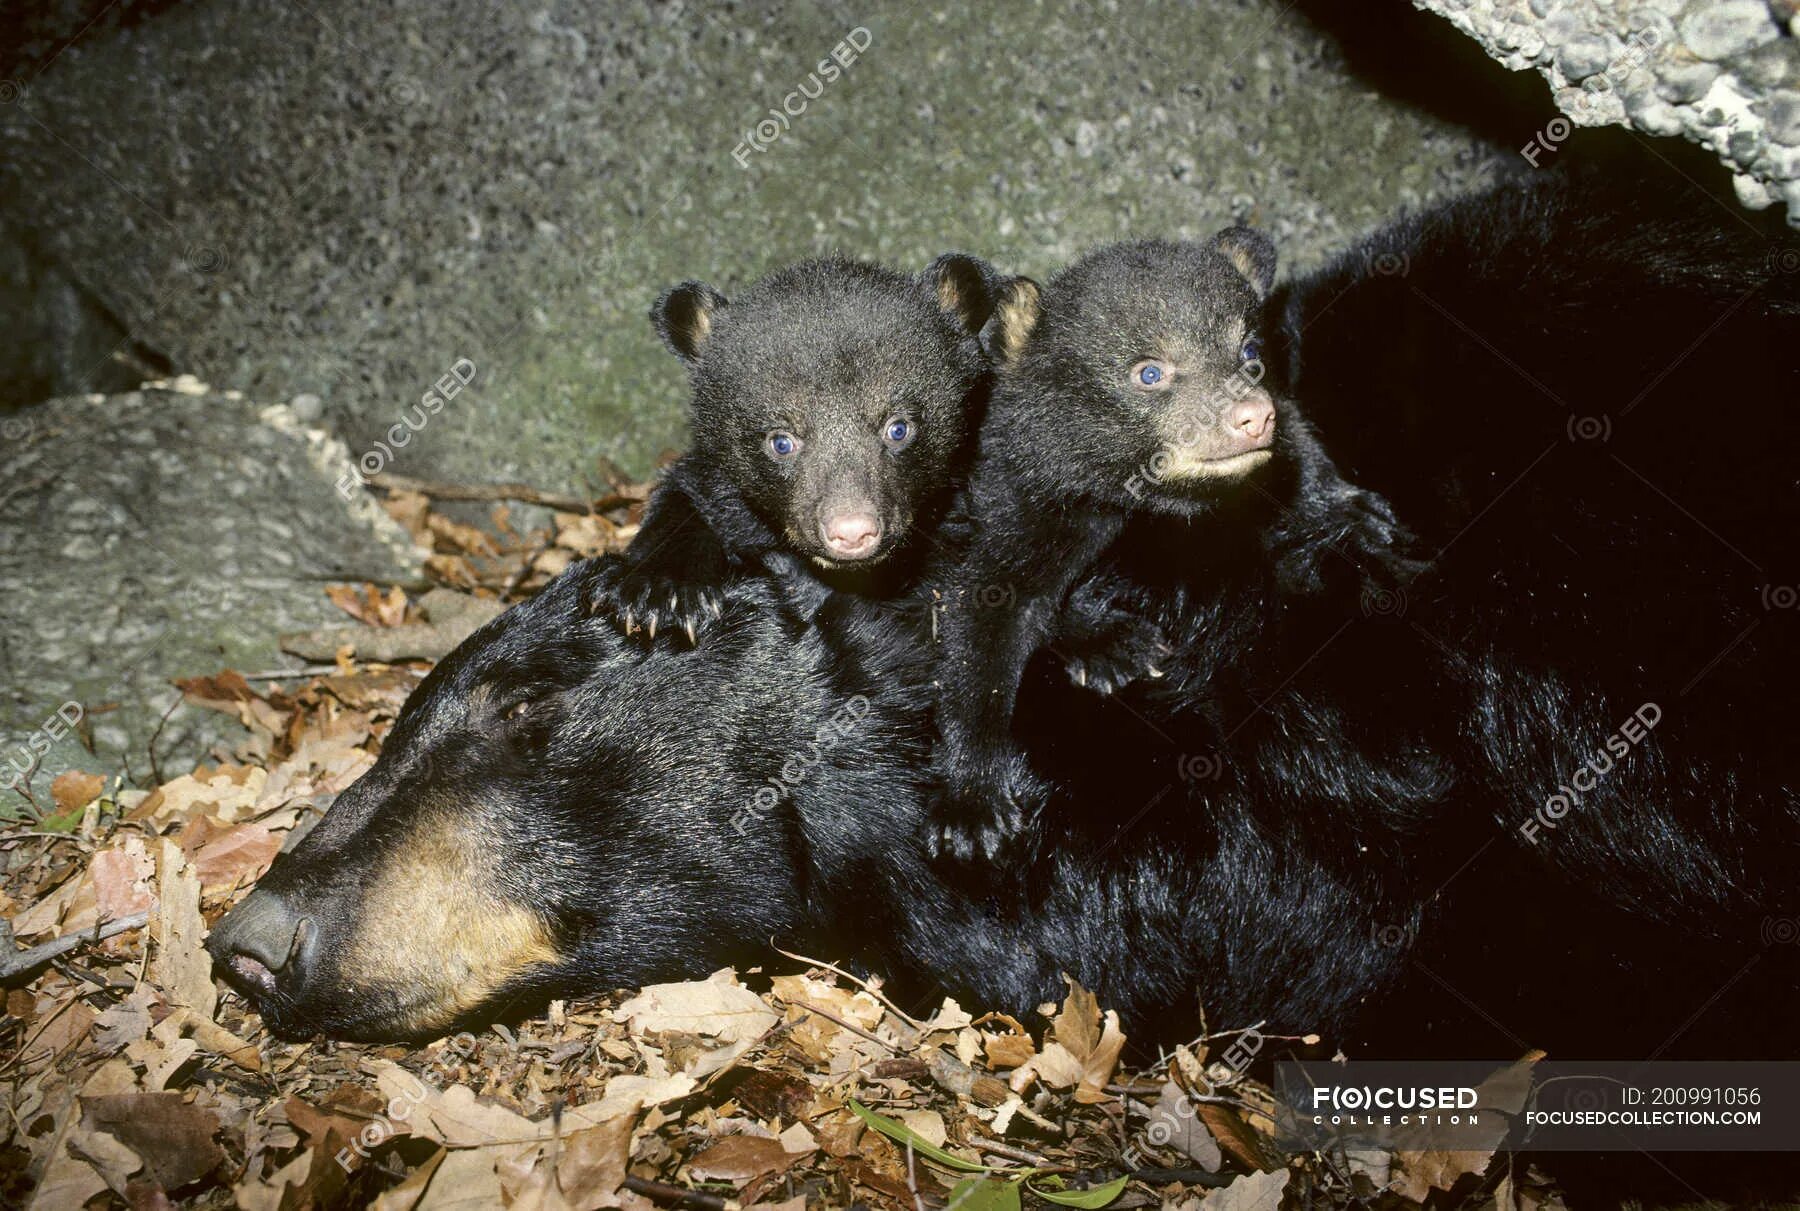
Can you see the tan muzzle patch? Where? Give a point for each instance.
(1187, 465)
(437, 935)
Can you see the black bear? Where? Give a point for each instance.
(1510, 606)
(1518, 773)
(1511, 769)
(832, 406)
(1129, 407)
(603, 816)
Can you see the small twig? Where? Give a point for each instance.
(677, 1196)
(852, 1027)
(311, 670)
(37, 956)
(872, 989)
(156, 766)
(519, 492)
(22, 784)
(1011, 1153)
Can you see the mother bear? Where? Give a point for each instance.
(1599, 862)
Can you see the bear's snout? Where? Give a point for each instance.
(850, 533)
(1250, 422)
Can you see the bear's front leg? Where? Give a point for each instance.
(672, 578)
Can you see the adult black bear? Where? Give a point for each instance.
(832, 407)
(1510, 608)
(558, 811)
(1339, 785)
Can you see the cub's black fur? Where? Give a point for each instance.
(1511, 608)
(832, 406)
(1128, 407)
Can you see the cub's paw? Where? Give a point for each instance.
(983, 824)
(1125, 651)
(644, 604)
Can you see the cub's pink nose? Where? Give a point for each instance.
(851, 535)
(1251, 422)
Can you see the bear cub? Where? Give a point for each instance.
(833, 404)
(1128, 396)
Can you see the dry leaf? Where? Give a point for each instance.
(174, 1139)
(123, 876)
(742, 1158)
(1251, 1192)
(236, 856)
(73, 790)
(180, 966)
(718, 1007)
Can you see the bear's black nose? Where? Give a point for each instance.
(263, 943)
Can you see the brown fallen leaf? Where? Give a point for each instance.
(1235, 1137)
(717, 1006)
(173, 1138)
(742, 1158)
(70, 1176)
(1098, 1065)
(588, 1171)
(123, 877)
(237, 855)
(74, 790)
(220, 692)
(180, 966)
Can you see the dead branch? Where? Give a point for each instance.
(523, 493)
(676, 1196)
(27, 961)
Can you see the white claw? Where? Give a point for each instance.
(1080, 675)
(630, 623)
(688, 626)
(1153, 670)
(650, 623)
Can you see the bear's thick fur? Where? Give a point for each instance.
(1336, 810)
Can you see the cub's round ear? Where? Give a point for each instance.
(1016, 312)
(684, 318)
(964, 286)
(1251, 253)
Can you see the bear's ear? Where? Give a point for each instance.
(1015, 315)
(684, 318)
(1251, 253)
(963, 286)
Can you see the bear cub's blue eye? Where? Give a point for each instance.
(898, 431)
(783, 445)
(1149, 373)
(1252, 350)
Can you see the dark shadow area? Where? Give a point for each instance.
(32, 32)
(66, 342)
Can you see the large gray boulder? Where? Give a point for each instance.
(1723, 73)
(343, 200)
(158, 534)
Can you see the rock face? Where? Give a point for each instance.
(1724, 73)
(160, 534)
(342, 200)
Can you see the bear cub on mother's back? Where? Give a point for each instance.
(833, 404)
(1128, 405)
